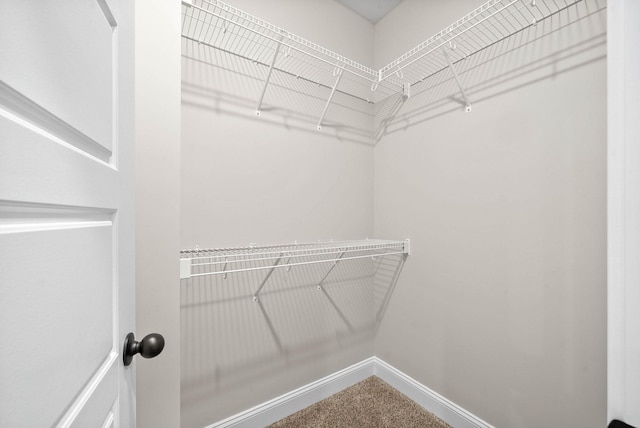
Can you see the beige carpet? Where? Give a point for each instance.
(368, 404)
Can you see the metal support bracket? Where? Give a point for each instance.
(321, 288)
(266, 278)
(333, 266)
(457, 78)
(266, 82)
(338, 73)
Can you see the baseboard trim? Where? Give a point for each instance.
(440, 406)
(296, 400)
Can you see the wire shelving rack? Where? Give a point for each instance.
(223, 261)
(483, 27)
(218, 25)
(212, 266)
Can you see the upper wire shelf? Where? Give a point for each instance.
(207, 22)
(222, 261)
(218, 25)
(486, 25)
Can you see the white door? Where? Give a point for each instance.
(66, 212)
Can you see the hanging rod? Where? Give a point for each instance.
(222, 261)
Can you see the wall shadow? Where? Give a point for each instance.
(302, 313)
(228, 84)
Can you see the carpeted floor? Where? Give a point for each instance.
(369, 404)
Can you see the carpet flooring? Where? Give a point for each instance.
(371, 403)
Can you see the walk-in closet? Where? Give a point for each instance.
(428, 190)
(353, 213)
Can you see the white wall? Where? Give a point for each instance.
(268, 180)
(502, 305)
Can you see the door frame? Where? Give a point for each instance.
(157, 162)
(157, 193)
(623, 212)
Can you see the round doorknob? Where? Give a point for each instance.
(150, 346)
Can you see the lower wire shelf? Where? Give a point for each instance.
(223, 261)
(198, 264)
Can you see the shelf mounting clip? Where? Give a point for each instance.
(457, 78)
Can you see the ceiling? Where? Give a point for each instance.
(373, 10)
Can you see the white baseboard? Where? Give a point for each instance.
(445, 409)
(296, 400)
(291, 402)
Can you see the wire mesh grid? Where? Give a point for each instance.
(219, 25)
(490, 23)
(573, 33)
(222, 261)
(312, 75)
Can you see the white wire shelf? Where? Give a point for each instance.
(211, 266)
(483, 27)
(218, 25)
(223, 261)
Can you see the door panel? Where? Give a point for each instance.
(100, 409)
(66, 214)
(57, 297)
(38, 168)
(65, 296)
(62, 58)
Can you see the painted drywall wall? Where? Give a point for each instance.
(269, 180)
(157, 209)
(502, 304)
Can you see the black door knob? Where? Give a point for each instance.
(150, 346)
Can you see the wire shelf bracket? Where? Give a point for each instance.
(335, 263)
(457, 79)
(266, 81)
(337, 72)
(266, 278)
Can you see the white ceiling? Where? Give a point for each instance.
(373, 10)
